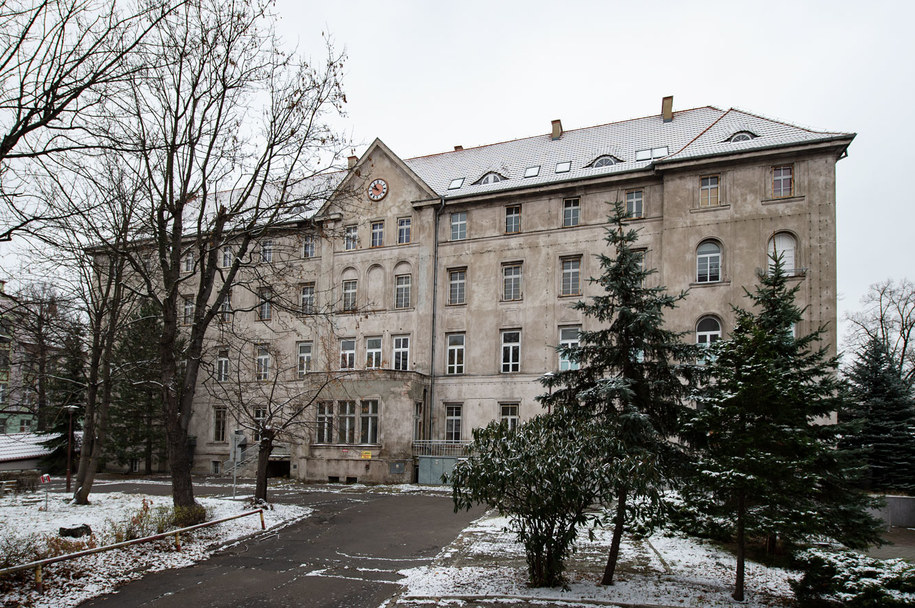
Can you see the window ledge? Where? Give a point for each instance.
(725, 283)
(783, 199)
(456, 304)
(570, 295)
(722, 207)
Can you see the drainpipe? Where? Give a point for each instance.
(438, 213)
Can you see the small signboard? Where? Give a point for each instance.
(366, 455)
(45, 478)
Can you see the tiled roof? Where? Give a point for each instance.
(21, 446)
(692, 133)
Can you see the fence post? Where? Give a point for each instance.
(263, 525)
(39, 584)
(178, 541)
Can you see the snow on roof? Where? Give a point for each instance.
(21, 446)
(691, 134)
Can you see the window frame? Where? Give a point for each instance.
(228, 256)
(571, 212)
(400, 349)
(635, 204)
(307, 298)
(772, 252)
(369, 416)
(377, 234)
(350, 238)
(568, 342)
(223, 365)
(455, 344)
(570, 276)
(457, 286)
(459, 226)
(348, 353)
(709, 191)
(512, 219)
(509, 414)
(404, 230)
(346, 422)
(308, 246)
(324, 423)
(373, 358)
(220, 423)
(454, 421)
(304, 357)
(188, 308)
(779, 179)
(266, 251)
(403, 288)
(707, 259)
(708, 337)
(511, 351)
(512, 284)
(263, 360)
(264, 304)
(350, 290)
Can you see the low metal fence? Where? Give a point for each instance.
(37, 565)
(438, 447)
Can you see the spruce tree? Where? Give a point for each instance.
(67, 397)
(766, 459)
(630, 376)
(882, 410)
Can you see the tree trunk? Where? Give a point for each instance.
(263, 459)
(614, 554)
(741, 514)
(147, 465)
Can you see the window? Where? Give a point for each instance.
(25, 425)
(455, 354)
(651, 153)
(563, 167)
(513, 219)
(532, 171)
(417, 421)
(571, 212)
(708, 331)
(222, 365)
(402, 352)
(308, 246)
(372, 353)
(346, 422)
(304, 358)
(264, 311)
(402, 286)
(219, 424)
(571, 277)
(228, 256)
(307, 299)
(350, 238)
(708, 262)
(187, 316)
(634, 204)
(783, 182)
(267, 251)
(347, 354)
(511, 351)
(456, 183)
(215, 466)
(741, 136)
(377, 234)
(456, 282)
(225, 308)
(349, 295)
(368, 422)
(784, 245)
(511, 281)
(708, 191)
(325, 422)
(403, 230)
(509, 415)
(604, 161)
(4, 389)
(189, 262)
(568, 338)
(262, 364)
(453, 421)
(459, 226)
(490, 178)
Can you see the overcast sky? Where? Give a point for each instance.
(425, 76)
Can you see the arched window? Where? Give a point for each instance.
(741, 136)
(491, 178)
(708, 262)
(784, 245)
(604, 161)
(708, 331)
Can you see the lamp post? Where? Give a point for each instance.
(69, 409)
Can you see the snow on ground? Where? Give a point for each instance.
(69, 583)
(486, 562)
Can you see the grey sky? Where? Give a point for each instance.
(425, 76)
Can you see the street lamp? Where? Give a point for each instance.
(70, 409)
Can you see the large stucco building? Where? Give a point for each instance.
(448, 280)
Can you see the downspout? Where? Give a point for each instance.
(438, 213)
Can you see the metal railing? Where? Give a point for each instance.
(439, 447)
(37, 565)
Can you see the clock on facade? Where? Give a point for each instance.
(377, 189)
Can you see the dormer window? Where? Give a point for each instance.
(651, 153)
(741, 136)
(604, 161)
(456, 183)
(490, 178)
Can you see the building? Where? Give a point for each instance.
(449, 279)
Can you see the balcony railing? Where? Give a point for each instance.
(440, 447)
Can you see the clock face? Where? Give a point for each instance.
(378, 189)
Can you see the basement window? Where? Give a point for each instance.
(456, 183)
(532, 171)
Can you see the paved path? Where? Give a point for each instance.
(347, 554)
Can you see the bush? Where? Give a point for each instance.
(853, 580)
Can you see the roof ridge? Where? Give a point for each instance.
(786, 124)
(529, 137)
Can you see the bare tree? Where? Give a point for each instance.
(59, 61)
(228, 135)
(888, 316)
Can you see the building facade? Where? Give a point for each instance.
(430, 299)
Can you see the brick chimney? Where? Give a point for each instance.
(667, 108)
(557, 130)
(351, 161)
(458, 148)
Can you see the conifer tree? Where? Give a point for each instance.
(882, 409)
(766, 463)
(629, 375)
(67, 397)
